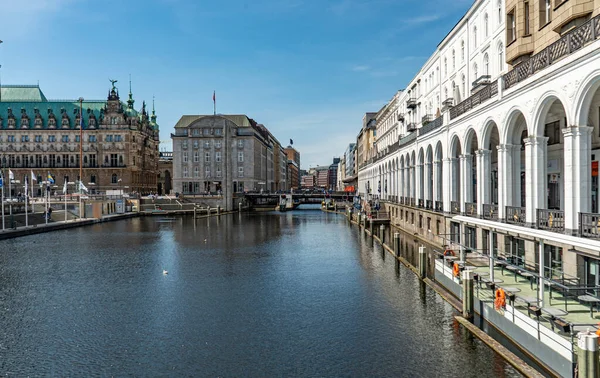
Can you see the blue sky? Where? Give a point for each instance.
(307, 69)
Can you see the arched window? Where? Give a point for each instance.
(499, 12)
(475, 71)
(453, 60)
(462, 51)
(500, 58)
(486, 64)
(474, 36)
(486, 25)
(113, 179)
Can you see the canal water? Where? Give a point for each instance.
(271, 294)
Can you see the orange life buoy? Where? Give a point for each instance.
(449, 252)
(500, 299)
(456, 270)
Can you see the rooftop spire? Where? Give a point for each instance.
(130, 101)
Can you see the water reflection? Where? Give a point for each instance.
(285, 294)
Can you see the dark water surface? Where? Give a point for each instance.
(293, 294)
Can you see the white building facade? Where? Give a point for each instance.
(492, 156)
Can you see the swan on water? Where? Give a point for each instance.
(165, 272)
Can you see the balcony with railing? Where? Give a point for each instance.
(429, 204)
(411, 127)
(426, 118)
(515, 215)
(475, 100)
(407, 139)
(566, 45)
(438, 206)
(412, 202)
(551, 220)
(430, 126)
(411, 103)
(471, 209)
(589, 225)
(454, 207)
(490, 211)
(400, 116)
(421, 203)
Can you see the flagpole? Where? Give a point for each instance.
(32, 203)
(46, 205)
(10, 196)
(65, 194)
(214, 102)
(26, 195)
(81, 153)
(2, 201)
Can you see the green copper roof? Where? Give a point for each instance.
(22, 93)
(30, 100)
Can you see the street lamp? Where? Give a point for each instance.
(80, 155)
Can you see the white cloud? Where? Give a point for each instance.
(360, 68)
(421, 19)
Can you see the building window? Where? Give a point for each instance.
(195, 142)
(526, 18)
(207, 157)
(462, 51)
(475, 71)
(499, 7)
(24, 138)
(218, 156)
(207, 172)
(185, 157)
(218, 144)
(184, 144)
(77, 138)
(92, 138)
(486, 64)
(51, 138)
(240, 171)
(196, 156)
(545, 9)
(453, 60)
(109, 138)
(38, 138)
(486, 25)
(196, 172)
(464, 86)
(240, 157)
(240, 143)
(217, 131)
(218, 171)
(185, 171)
(500, 58)
(511, 32)
(207, 144)
(113, 178)
(475, 36)
(206, 131)
(93, 179)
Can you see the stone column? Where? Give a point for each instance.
(449, 177)
(505, 178)
(437, 183)
(484, 170)
(428, 182)
(466, 180)
(419, 183)
(577, 174)
(535, 177)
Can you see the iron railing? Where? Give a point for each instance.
(421, 203)
(429, 204)
(471, 209)
(411, 103)
(412, 202)
(490, 211)
(515, 215)
(454, 207)
(439, 206)
(470, 103)
(411, 127)
(589, 225)
(407, 139)
(552, 220)
(570, 42)
(430, 126)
